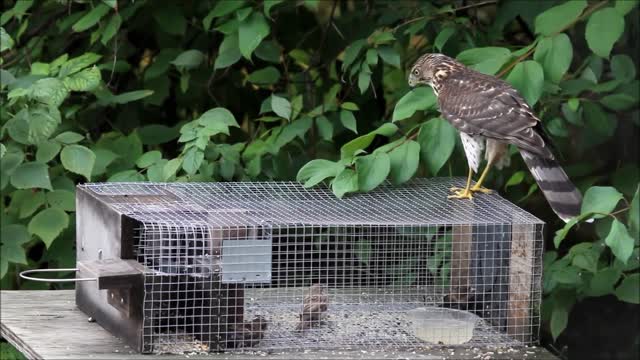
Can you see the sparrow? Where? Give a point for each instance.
(247, 334)
(314, 307)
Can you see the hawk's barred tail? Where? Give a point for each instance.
(565, 199)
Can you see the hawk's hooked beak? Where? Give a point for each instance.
(412, 81)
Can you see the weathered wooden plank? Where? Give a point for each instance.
(460, 263)
(47, 325)
(519, 324)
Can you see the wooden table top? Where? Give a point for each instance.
(47, 325)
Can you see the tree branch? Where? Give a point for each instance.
(454, 10)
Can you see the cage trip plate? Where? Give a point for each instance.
(247, 261)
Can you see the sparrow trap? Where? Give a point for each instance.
(187, 267)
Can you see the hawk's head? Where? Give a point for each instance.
(431, 69)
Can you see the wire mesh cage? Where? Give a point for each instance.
(275, 266)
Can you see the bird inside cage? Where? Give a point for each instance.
(314, 307)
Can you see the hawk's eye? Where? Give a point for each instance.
(416, 72)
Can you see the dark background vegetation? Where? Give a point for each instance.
(122, 90)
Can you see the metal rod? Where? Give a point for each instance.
(23, 275)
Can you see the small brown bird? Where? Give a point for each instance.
(314, 307)
(247, 334)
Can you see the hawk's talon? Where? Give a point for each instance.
(462, 194)
(481, 189)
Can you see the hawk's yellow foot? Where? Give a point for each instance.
(481, 189)
(461, 194)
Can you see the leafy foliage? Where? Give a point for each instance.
(315, 90)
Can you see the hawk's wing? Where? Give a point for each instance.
(481, 105)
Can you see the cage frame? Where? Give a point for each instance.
(107, 231)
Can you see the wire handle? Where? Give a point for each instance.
(24, 273)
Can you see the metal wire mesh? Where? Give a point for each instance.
(266, 266)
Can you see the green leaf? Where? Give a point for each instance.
(619, 101)
(625, 6)
(86, 80)
(558, 17)
(346, 182)
(33, 126)
(325, 127)
(74, 65)
(559, 319)
(389, 55)
(352, 52)
(585, 258)
(91, 18)
(364, 79)
(31, 175)
(349, 149)
(437, 140)
(295, 129)
(267, 76)
(229, 52)
(269, 51)
(601, 200)
(6, 42)
(156, 134)
(47, 151)
(224, 8)
(49, 91)
(528, 78)
(629, 289)
(372, 57)
(218, 116)
(620, 242)
(111, 3)
(604, 28)
(554, 54)
(487, 60)
(12, 237)
(78, 159)
(128, 97)
(189, 59)
(268, 4)
(62, 199)
(443, 36)
(251, 33)
(316, 171)
(634, 215)
(372, 170)
(404, 161)
(48, 224)
(69, 137)
(149, 158)
(348, 120)
(515, 179)
(170, 168)
(623, 68)
(126, 176)
(421, 98)
(349, 106)
(192, 160)
(603, 281)
(380, 37)
(104, 158)
(562, 233)
(28, 202)
(281, 106)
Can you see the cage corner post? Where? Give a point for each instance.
(521, 272)
(460, 262)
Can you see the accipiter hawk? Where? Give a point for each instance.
(490, 114)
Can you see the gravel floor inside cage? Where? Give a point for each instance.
(352, 322)
(356, 327)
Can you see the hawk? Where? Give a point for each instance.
(490, 114)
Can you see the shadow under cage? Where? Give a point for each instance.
(275, 266)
